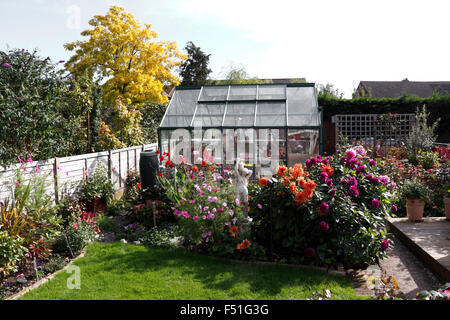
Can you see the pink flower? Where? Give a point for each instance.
(236, 201)
(323, 226)
(384, 245)
(259, 206)
(37, 169)
(75, 225)
(376, 203)
(324, 207)
(30, 160)
(20, 160)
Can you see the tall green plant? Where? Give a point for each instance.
(422, 136)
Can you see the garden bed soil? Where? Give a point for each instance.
(33, 284)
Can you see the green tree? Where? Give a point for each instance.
(195, 69)
(328, 90)
(33, 102)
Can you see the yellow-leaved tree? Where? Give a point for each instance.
(123, 53)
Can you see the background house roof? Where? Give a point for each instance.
(392, 89)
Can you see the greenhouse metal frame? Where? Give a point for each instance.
(292, 108)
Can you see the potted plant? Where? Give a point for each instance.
(416, 193)
(97, 191)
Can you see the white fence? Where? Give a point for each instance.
(65, 174)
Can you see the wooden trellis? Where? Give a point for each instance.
(362, 129)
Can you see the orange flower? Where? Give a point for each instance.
(281, 170)
(328, 169)
(233, 231)
(263, 181)
(194, 168)
(300, 198)
(310, 185)
(309, 193)
(285, 182)
(302, 182)
(298, 171)
(293, 187)
(243, 245)
(211, 168)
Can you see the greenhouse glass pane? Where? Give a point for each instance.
(309, 120)
(209, 115)
(302, 144)
(302, 100)
(214, 93)
(242, 93)
(271, 114)
(270, 150)
(271, 92)
(181, 108)
(164, 134)
(240, 114)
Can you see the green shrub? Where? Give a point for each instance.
(79, 233)
(11, 253)
(55, 262)
(98, 185)
(105, 223)
(427, 159)
(414, 189)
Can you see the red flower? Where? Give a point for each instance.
(158, 151)
(138, 186)
(161, 158)
(160, 174)
(194, 168)
(204, 163)
(211, 169)
(309, 252)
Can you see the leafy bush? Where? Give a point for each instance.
(414, 189)
(427, 159)
(98, 185)
(105, 223)
(33, 100)
(80, 232)
(11, 252)
(329, 212)
(55, 262)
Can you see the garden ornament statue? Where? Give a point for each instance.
(242, 176)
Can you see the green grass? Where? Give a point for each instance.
(125, 271)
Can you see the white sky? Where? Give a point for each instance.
(338, 42)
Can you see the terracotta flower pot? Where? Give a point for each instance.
(414, 209)
(447, 207)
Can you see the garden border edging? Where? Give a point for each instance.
(45, 279)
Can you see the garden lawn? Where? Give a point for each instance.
(126, 271)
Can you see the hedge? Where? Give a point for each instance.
(437, 106)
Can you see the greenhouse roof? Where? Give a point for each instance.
(238, 106)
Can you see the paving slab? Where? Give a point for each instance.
(428, 240)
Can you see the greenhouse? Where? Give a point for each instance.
(264, 125)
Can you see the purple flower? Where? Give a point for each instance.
(384, 180)
(376, 203)
(373, 163)
(61, 61)
(394, 208)
(333, 192)
(309, 252)
(330, 182)
(323, 226)
(259, 206)
(6, 64)
(323, 176)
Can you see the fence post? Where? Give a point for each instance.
(56, 179)
(110, 165)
